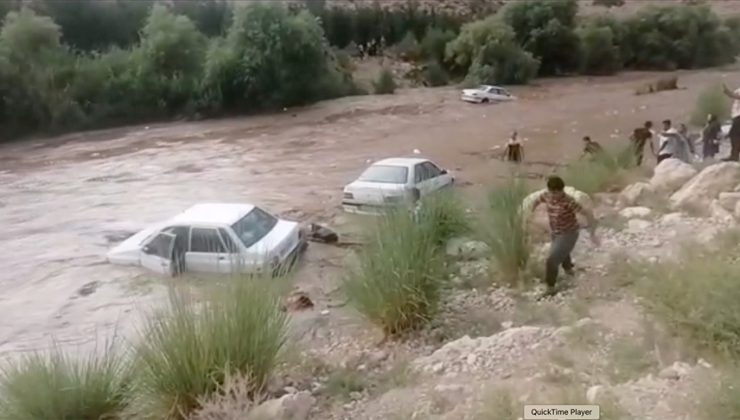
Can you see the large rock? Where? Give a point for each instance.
(700, 190)
(729, 200)
(719, 213)
(288, 407)
(637, 193)
(635, 212)
(670, 175)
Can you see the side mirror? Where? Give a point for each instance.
(444, 172)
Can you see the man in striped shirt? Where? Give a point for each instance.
(562, 210)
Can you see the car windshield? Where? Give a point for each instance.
(254, 226)
(484, 88)
(385, 174)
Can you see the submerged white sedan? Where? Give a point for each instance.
(484, 94)
(394, 181)
(213, 238)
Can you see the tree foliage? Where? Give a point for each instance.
(600, 54)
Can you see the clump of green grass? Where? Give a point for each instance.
(187, 352)
(396, 284)
(504, 226)
(385, 84)
(444, 216)
(695, 296)
(57, 386)
(629, 359)
(711, 100)
(343, 382)
(603, 172)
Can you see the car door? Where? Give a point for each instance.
(497, 95)
(156, 254)
(422, 181)
(437, 178)
(208, 253)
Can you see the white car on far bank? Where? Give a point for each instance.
(394, 181)
(484, 94)
(213, 238)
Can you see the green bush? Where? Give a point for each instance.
(435, 75)
(385, 85)
(546, 28)
(600, 54)
(696, 296)
(712, 100)
(408, 48)
(186, 353)
(434, 43)
(444, 216)
(608, 3)
(486, 52)
(503, 225)
(396, 284)
(58, 386)
(608, 170)
(659, 39)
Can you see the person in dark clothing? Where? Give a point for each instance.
(710, 137)
(561, 210)
(590, 147)
(735, 128)
(514, 150)
(641, 136)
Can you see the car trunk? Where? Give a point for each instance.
(374, 193)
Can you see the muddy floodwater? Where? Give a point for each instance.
(65, 201)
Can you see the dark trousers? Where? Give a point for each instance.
(663, 157)
(735, 140)
(639, 153)
(560, 248)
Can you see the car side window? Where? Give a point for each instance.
(230, 244)
(206, 240)
(419, 173)
(432, 170)
(160, 245)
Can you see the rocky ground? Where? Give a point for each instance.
(495, 349)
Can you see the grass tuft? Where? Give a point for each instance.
(695, 296)
(57, 386)
(711, 100)
(444, 216)
(397, 282)
(385, 84)
(609, 170)
(187, 352)
(504, 227)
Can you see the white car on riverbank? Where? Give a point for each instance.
(394, 181)
(484, 94)
(213, 238)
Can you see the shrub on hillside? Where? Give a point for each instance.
(434, 43)
(435, 75)
(408, 48)
(444, 216)
(712, 100)
(599, 53)
(659, 39)
(606, 171)
(396, 283)
(486, 52)
(503, 225)
(186, 353)
(61, 386)
(385, 85)
(546, 28)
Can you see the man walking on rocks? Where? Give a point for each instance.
(735, 128)
(641, 136)
(562, 210)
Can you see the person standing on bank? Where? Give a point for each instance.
(668, 146)
(562, 210)
(591, 148)
(735, 128)
(710, 135)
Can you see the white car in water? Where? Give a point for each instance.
(394, 181)
(213, 238)
(484, 94)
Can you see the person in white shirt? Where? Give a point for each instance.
(735, 128)
(669, 143)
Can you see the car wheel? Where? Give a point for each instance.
(484, 101)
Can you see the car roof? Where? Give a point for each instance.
(492, 86)
(213, 214)
(400, 161)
